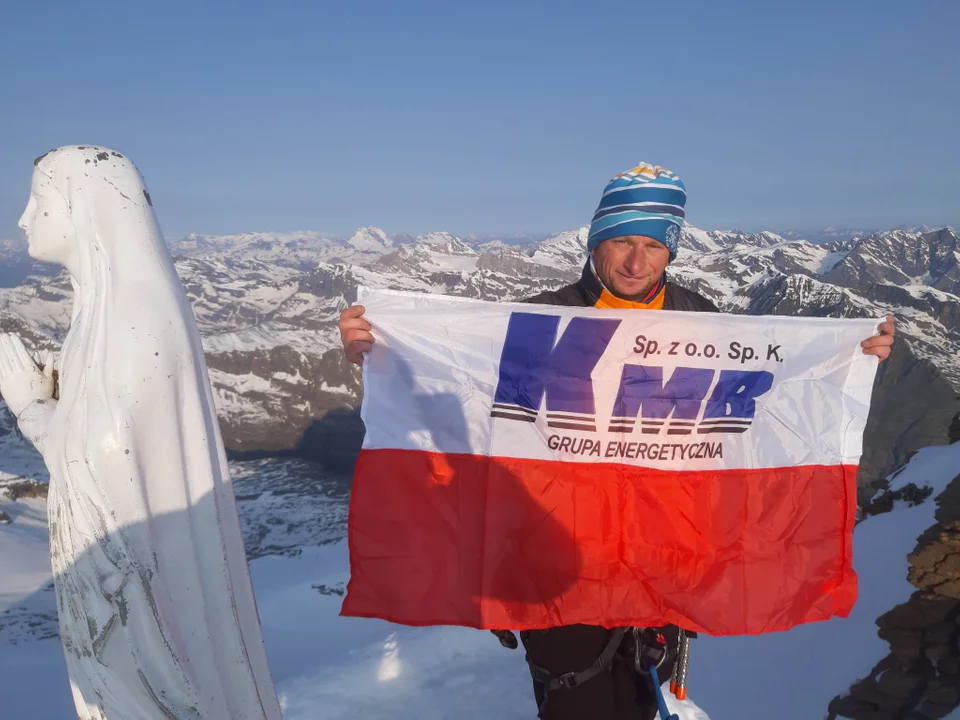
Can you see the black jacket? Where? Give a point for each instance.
(622, 694)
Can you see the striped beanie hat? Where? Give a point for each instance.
(647, 200)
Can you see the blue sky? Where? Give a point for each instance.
(492, 117)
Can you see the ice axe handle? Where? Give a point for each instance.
(682, 667)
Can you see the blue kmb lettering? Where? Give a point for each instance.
(642, 386)
(736, 393)
(534, 363)
(730, 408)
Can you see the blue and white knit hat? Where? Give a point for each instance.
(647, 200)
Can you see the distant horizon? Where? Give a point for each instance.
(520, 237)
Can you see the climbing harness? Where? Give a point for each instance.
(650, 651)
(551, 682)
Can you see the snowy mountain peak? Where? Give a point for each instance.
(902, 258)
(444, 242)
(370, 240)
(767, 238)
(566, 250)
(693, 238)
(708, 241)
(247, 244)
(435, 238)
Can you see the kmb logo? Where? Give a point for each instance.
(534, 364)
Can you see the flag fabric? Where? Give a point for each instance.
(529, 466)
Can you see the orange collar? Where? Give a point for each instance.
(608, 300)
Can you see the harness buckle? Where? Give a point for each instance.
(568, 680)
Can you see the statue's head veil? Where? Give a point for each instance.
(133, 382)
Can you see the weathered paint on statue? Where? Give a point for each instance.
(157, 613)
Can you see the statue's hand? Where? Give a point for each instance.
(22, 381)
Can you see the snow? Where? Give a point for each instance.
(26, 540)
(297, 379)
(240, 383)
(697, 239)
(325, 667)
(370, 669)
(831, 260)
(370, 239)
(449, 263)
(563, 251)
(925, 291)
(270, 335)
(438, 238)
(340, 389)
(795, 674)
(195, 244)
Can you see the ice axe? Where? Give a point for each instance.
(678, 681)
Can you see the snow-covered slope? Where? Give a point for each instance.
(808, 672)
(325, 667)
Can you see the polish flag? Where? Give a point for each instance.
(529, 466)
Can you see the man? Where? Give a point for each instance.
(634, 235)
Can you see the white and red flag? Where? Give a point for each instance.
(527, 466)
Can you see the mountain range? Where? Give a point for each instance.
(267, 307)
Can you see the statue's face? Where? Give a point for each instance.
(46, 221)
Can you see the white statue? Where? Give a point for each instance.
(157, 612)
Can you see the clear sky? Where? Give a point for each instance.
(490, 116)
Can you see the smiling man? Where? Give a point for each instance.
(633, 237)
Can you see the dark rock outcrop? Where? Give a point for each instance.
(911, 408)
(304, 389)
(920, 677)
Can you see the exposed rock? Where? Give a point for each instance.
(911, 408)
(909, 494)
(25, 489)
(287, 411)
(953, 433)
(920, 678)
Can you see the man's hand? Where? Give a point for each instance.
(355, 334)
(21, 380)
(880, 345)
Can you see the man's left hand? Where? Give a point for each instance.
(880, 345)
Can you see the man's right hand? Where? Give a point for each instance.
(355, 334)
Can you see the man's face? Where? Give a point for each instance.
(631, 266)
